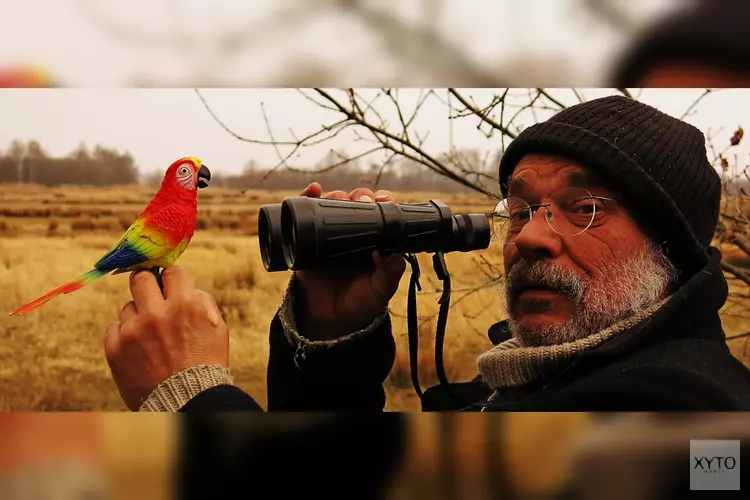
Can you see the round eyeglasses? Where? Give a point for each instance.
(568, 212)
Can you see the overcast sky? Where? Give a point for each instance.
(158, 126)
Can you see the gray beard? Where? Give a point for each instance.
(629, 286)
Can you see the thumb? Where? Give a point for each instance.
(387, 274)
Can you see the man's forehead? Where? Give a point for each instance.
(532, 170)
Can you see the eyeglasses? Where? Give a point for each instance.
(569, 212)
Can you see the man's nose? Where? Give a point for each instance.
(537, 240)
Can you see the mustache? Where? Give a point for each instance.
(542, 274)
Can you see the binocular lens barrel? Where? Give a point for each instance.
(270, 237)
(302, 233)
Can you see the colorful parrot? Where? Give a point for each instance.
(157, 237)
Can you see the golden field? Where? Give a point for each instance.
(53, 358)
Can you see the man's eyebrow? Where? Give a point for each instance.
(583, 179)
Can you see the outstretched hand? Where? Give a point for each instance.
(341, 298)
(160, 334)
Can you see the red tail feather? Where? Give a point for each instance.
(69, 287)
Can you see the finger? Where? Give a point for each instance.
(337, 195)
(387, 274)
(112, 340)
(129, 312)
(176, 282)
(362, 194)
(145, 290)
(314, 190)
(384, 195)
(212, 308)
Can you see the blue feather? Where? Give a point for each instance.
(121, 257)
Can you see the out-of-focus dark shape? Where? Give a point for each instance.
(289, 456)
(25, 76)
(704, 45)
(440, 456)
(647, 456)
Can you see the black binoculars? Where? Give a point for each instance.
(303, 233)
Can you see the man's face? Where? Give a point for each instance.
(560, 288)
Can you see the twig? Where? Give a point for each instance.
(382, 135)
(736, 271)
(549, 97)
(738, 336)
(481, 115)
(695, 103)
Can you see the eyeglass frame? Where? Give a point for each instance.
(533, 208)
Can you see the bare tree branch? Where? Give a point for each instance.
(626, 93)
(695, 103)
(481, 115)
(738, 336)
(384, 136)
(552, 99)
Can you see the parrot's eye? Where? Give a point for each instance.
(183, 170)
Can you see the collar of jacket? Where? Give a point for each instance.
(691, 312)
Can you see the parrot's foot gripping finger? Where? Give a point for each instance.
(156, 271)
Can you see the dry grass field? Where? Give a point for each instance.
(53, 358)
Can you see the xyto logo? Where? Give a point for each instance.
(714, 465)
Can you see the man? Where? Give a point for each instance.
(613, 294)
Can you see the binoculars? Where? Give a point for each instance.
(303, 233)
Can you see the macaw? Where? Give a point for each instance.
(157, 237)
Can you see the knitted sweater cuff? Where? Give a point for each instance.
(174, 393)
(298, 341)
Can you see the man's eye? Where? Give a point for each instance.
(519, 215)
(587, 207)
(583, 208)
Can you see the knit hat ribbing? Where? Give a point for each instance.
(657, 162)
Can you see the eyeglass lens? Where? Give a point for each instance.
(568, 212)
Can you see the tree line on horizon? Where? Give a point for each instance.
(29, 162)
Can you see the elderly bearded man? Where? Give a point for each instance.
(613, 289)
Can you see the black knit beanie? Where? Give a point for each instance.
(707, 32)
(657, 163)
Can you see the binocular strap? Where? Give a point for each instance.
(441, 270)
(412, 322)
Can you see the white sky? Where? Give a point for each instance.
(160, 125)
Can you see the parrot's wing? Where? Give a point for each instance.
(139, 244)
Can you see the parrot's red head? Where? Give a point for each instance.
(187, 174)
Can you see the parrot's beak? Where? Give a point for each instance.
(203, 173)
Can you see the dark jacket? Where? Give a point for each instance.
(675, 360)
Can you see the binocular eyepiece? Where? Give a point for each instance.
(303, 233)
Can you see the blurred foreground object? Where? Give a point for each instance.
(704, 45)
(647, 456)
(25, 76)
(64, 480)
(289, 456)
(56, 457)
